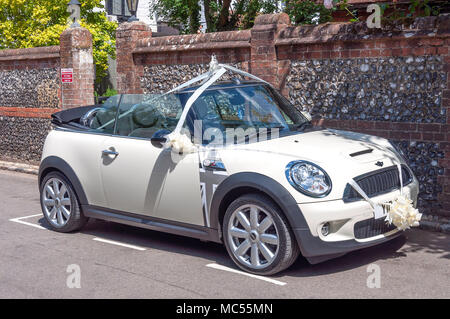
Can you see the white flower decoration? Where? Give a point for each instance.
(179, 143)
(402, 214)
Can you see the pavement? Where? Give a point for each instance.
(108, 260)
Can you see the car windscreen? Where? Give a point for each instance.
(220, 110)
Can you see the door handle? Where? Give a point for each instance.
(110, 152)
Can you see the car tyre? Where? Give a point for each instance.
(262, 244)
(60, 204)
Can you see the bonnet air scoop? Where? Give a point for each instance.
(358, 153)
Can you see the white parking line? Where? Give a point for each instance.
(20, 221)
(118, 243)
(220, 267)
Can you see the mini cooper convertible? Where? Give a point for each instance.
(261, 179)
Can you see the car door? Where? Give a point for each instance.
(142, 179)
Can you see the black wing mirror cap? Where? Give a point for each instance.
(159, 138)
(158, 141)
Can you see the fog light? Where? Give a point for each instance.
(326, 229)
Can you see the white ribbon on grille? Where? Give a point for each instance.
(400, 212)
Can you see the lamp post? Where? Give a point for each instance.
(132, 7)
(74, 8)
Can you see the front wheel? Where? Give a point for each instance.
(257, 235)
(60, 204)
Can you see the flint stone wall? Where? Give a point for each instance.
(29, 92)
(423, 158)
(162, 78)
(23, 138)
(398, 89)
(29, 88)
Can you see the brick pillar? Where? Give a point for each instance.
(263, 56)
(127, 36)
(76, 54)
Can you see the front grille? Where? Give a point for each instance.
(371, 227)
(378, 182)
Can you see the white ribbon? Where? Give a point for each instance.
(216, 75)
(400, 176)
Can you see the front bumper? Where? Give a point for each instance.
(316, 250)
(342, 218)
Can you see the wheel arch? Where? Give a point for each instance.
(54, 163)
(238, 184)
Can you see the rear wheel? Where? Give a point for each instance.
(59, 203)
(257, 235)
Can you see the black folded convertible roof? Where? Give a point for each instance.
(69, 115)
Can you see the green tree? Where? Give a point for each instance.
(220, 15)
(37, 23)
(307, 12)
(181, 14)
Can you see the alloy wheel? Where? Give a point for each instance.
(56, 202)
(253, 236)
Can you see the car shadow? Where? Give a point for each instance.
(150, 239)
(355, 259)
(412, 241)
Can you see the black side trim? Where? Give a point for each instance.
(61, 165)
(264, 184)
(152, 223)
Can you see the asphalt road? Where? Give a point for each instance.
(34, 262)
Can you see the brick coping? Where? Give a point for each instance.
(30, 53)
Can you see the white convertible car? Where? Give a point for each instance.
(260, 178)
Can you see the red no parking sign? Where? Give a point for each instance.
(66, 75)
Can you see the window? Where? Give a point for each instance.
(102, 119)
(143, 115)
(246, 107)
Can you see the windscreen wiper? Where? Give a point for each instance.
(301, 127)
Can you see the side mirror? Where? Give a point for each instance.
(158, 141)
(159, 138)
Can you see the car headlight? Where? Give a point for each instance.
(308, 178)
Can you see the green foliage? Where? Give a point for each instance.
(401, 15)
(110, 92)
(37, 23)
(307, 12)
(220, 15)
(343, 5)
(181, 14)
